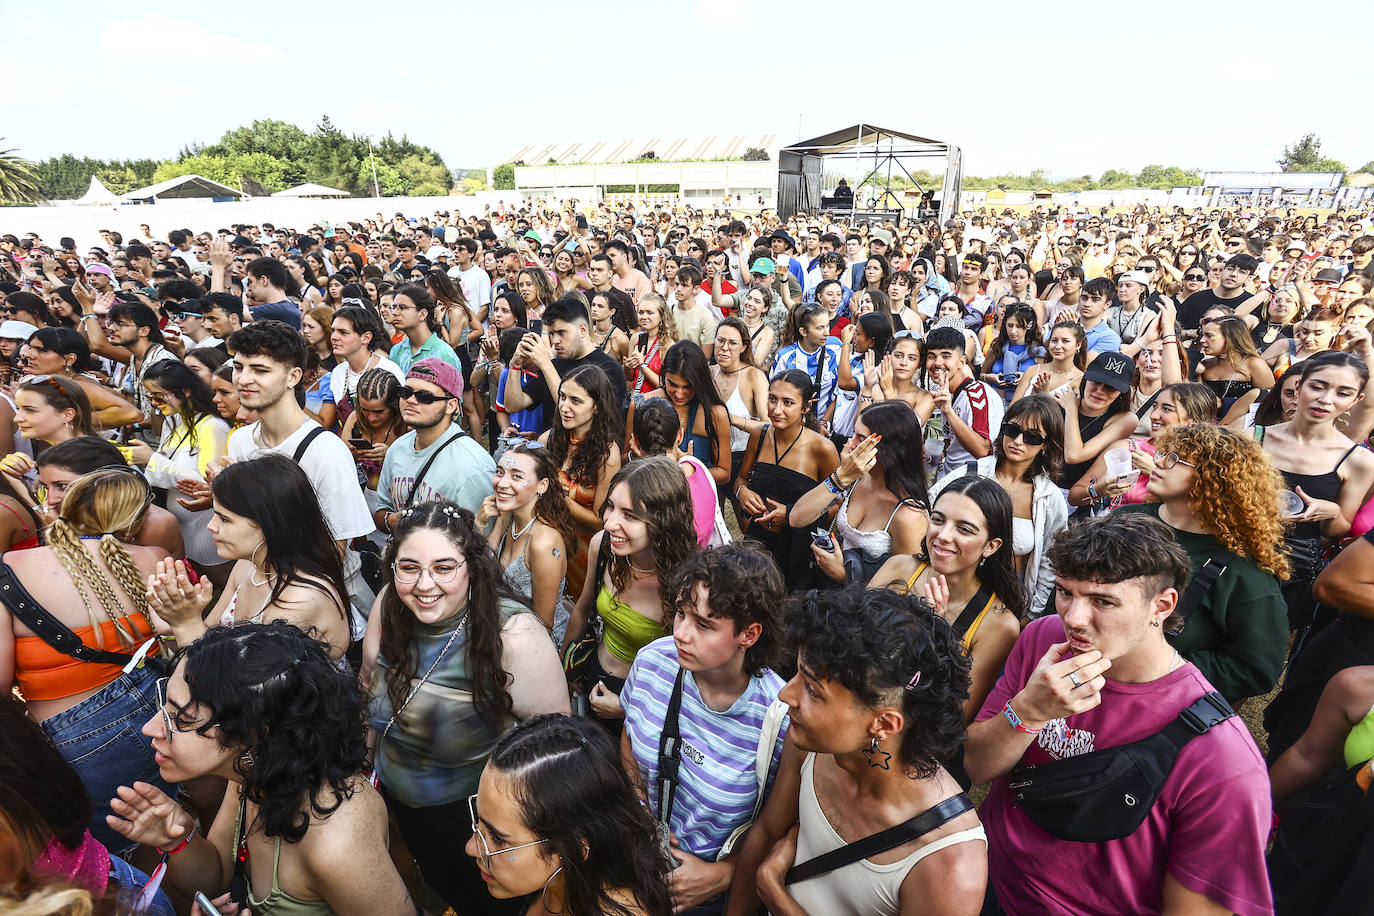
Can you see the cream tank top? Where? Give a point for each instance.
(859, 888)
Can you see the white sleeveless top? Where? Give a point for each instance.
(859, 888)
(739, 438)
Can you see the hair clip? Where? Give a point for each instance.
(915, 679)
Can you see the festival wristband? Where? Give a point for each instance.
(1016, 722)
(180, 846)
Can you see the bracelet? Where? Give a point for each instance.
(830, 485)
(1168, 339)
(1092, 492)
(180, 846)
(834, 479)
(1016, 722)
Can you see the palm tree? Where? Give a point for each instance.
(18, 180)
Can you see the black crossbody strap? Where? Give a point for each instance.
(1207, 712)
(669, 753)
(46, 627)
(305, 443)
(1202, 583)
(420, 477)
(882, 841)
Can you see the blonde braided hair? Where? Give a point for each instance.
(103, 502)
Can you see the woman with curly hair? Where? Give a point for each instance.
(530, 530)
(557, 826)
(648, 531)
(454, 658)
(301, 829)
(875, 714)
(1220, 495)
(584, 444)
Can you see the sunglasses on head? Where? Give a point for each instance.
(1028, 436)
(421, 397)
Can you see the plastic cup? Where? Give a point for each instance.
(1290, 504)
(1118, 463)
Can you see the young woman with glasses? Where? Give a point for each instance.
(453, 658)
(92, 583)
(741, 384)
(557, 827)
(300, 830)
(1217, 491)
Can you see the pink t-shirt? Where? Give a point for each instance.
(1208, 828)
(703, 490)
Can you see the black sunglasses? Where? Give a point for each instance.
(1196, 277)
(422, 397)
(1028, 436)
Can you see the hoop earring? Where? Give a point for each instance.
(872, 751)
(254, 558)
(543, 900)
(246, 760)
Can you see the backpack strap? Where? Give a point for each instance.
(305, 443)
(1201, 584)
(420, 477)
(45, 626)
(670, 753)
(882, 841)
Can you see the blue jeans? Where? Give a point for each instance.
(100, 737)
(130, 881)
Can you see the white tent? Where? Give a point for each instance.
(310, 189)
(182, 187)
(98, 194)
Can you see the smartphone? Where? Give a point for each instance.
(360, 443)
(207, 908)
(821, 538)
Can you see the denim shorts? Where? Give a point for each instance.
(130, 881)
(101, 738)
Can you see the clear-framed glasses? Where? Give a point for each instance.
(167, 720)
(408, 573)
(487, 851)
(1169, 459)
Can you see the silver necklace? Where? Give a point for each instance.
(515, 536)
(425, 677)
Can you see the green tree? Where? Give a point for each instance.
(275, 138)
(424, 178)
(503, 177)
(1367, 168)
(18, 178)
(755, 154)
(1306, 156)
(1113, 179)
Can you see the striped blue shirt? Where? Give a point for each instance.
(716, 788)
(793, 356)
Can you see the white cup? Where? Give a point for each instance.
(1118, 463)
(1290, 504)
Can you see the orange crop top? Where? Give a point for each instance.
(43, 673)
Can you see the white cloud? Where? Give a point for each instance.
(735, 15)
(153, 38)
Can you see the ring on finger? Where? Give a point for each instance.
(1073, 679)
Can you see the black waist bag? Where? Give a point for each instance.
(1107, 794)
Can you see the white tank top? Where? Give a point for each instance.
(859, 888)
(739, 438)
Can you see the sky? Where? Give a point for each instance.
(1070, 87)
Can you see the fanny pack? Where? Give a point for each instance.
(1106, 795)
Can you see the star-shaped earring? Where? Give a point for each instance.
(871, 752)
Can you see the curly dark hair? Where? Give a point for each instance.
(874, 643)
(999, 570)
(276, 340)
(575, 795)
(659, 493)
(1122, 546)
(488, 589)
(608, 427)
(274, 691)
(552, 507)
(743, 584)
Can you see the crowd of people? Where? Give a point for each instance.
(634, 561)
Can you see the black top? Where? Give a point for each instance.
(1191, 310)
(534, 387)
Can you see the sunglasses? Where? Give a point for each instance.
(1028, 436)
(1198, 278)
(421, 397)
